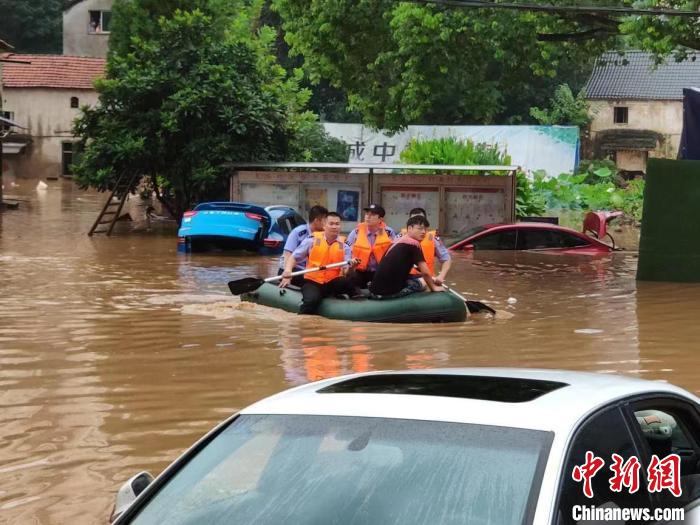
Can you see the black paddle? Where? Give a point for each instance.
(474, 307)
(250, 284)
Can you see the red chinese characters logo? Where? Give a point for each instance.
(625, 474)
(662, 474)
(586, 472)
(665, 474)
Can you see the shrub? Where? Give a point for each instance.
(469, 153)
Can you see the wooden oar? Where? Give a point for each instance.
(474, 307)
(250, 284)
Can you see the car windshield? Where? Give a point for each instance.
(318, 470)
(468, 233)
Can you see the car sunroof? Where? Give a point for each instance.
(487, 388)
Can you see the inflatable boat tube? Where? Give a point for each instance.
(425, 307)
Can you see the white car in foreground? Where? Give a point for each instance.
(454, 446)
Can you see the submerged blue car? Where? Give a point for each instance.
(237, 226)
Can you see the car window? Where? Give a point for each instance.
(672, 427)
(543, 239)
(297, 220)
(604, 435)
(501, 240)
(316, 470)
(285, 225)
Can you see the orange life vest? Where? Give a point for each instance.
(427, 246)
(362, 249)
(322, 254)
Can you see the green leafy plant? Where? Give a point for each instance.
(573, 192)
(452, 151)
(600, 171)
(564, 109)
(527, 202)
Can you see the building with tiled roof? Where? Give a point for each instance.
(637, 106)
(43, 94)
(52, 71)
(86, 27)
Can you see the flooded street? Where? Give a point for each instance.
(118, 353)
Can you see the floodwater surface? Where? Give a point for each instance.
(118, 353)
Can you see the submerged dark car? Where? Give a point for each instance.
(237, 226)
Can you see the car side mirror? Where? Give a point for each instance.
(128, 493)
(468, 248)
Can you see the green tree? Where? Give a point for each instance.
(565, 109)
(184, 97)
(403, 63)
(664, 35)
(32, 26)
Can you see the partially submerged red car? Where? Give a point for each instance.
(542, 236)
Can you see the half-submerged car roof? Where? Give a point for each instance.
(549, 400)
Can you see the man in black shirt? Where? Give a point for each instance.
(395, 267)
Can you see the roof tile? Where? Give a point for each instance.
(52, 71)
(634, 76)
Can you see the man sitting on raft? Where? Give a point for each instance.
(369, 242)
(317, 218)
(433, 249)
(321, 249)
(393, 276)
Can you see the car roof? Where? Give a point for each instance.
(554, 408)
(232, 206)
(535, 225)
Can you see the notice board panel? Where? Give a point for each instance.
(466, 208)
(399, 200)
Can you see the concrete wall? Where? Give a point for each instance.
(78, 40)
(48, 117)
(665, 117)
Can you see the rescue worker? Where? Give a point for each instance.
(317, 219)
(369, 242)
(321, 249)
(392, 278)
(433, 248)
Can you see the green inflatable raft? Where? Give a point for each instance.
(442, 307)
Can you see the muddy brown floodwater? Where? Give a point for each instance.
(118, 353)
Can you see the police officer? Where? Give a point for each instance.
(321, 249)
(433, 248)
(317, 219)
(369, 242)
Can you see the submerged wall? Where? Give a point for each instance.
(454, 203)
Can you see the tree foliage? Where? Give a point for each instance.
(564, 109)
(663, 35)
(406, 63)
(197, 89)
(403, 63)
(32, 26)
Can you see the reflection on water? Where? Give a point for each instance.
(115, 354)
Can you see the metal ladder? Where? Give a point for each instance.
(113, 207)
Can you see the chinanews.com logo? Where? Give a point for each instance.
(662, 474)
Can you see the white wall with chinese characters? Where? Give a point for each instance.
(550, 148)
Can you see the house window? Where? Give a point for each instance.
(70, 154)
(9, 115)
(100, 21)
(620, 115)
(74, 102)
